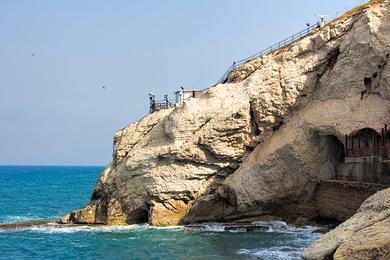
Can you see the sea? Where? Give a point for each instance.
(49, 192)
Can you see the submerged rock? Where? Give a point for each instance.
(259, 143)
(25, 225)
(231, 227)
(247, 228)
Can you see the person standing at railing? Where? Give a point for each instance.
(308, 28)
(321, 22)
(167, 103)
(152, 102)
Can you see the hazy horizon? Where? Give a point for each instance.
(57, 56)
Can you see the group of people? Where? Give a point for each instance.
(157, 106)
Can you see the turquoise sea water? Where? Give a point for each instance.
(32, 192)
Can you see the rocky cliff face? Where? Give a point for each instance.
(167, 160)
(258, 143)
(364, 236)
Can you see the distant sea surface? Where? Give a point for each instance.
(43, 192)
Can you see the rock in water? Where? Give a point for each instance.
(366, 235)
(26, 224)
(258, 143)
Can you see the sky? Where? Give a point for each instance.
(56, 56)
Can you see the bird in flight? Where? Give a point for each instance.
(104, 87)
(32, 54)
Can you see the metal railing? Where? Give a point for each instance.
(160, 105)
(283, 43)
(286, 41)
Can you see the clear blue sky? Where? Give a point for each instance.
(53, 109)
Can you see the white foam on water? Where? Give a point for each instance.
(272, 226)
(283, 227)
(55, 228)
(303, 237)
(274, 253)
(165, 228)
(18, 219)
(208, 227)
(303, 234)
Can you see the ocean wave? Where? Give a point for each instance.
(55, 228)
(263, 226)
(275, 253)
(258, 226)
(16, 219)
(283, 227)
(302, 237)
(208, 227)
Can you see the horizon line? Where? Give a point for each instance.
(52, 165)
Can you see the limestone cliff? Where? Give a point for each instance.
(364, 236)
(259, 142)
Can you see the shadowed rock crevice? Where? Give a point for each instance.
(254, 125)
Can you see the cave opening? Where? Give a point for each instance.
(139, 215)
(337, 148)
(327, 222)
(335, 155)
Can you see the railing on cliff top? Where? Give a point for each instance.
(160, 105)
(286, 41)
(283, 43)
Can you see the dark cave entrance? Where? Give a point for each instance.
(335, 154)
(139, 215)
(336, 148)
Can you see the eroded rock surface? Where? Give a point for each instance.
(170, 158)
(364, 236)
(257, 143)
